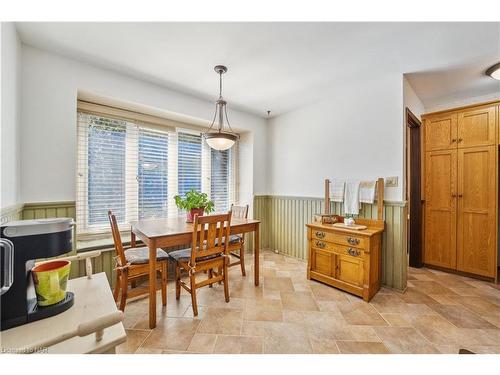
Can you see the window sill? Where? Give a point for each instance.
(101, 243)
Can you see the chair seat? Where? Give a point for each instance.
(184, 255)
(140, 255)
(235, 238)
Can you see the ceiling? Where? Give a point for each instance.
(281, 66)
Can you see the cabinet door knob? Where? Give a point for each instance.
(453, 195)
(460, 139)
(320, 244)
(320, 234)
(453, 140)
(353, 252)
(353, 241)
(460, 195)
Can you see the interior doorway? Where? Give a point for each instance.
(414, 188)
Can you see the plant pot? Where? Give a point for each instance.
(192, 212)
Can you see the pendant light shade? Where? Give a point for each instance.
(494, 71)
(220, 139)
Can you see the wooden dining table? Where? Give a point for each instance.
(164, 233)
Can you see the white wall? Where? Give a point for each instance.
(411, 100)
(10, 115)
(448, 104)
(356, 131)
(49, 95)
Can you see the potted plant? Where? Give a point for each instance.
(194, 203)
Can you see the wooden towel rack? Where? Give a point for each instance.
(380, 197)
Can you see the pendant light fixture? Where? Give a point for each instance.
(220, 139)
(494, 71)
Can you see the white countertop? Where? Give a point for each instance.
(93, 299)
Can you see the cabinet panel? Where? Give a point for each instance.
(441, 132)
(440, 212)
(322, 262)
(476, 237)
(349, 270)
(476, 127)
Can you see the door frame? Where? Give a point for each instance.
(412, 121)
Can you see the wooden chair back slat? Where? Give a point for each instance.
(120, 252)
(240, 212)
(215, 240)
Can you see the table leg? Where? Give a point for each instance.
(152, 283)
(256, 255)
(132, 239)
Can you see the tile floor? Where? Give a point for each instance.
(439, 313)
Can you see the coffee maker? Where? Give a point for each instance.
(22, 243)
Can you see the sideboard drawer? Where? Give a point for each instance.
(341, 239)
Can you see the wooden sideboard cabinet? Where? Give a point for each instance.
(345, 258)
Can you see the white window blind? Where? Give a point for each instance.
(135, 168)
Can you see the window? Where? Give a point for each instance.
(135, 168)
(189, 162)
(153, 174)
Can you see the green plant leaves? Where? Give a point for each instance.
(193, 199)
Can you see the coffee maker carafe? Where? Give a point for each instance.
(22, 243)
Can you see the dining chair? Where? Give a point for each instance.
(132, 264)
(208, 253)
(237, 241)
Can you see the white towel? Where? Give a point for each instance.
(367, 191)
(337, 187)
(351, 197)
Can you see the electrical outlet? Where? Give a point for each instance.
(391, 181)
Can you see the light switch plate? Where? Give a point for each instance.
(391, 181)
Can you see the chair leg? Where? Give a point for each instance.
(177, 281)
(210, 275)
(226, 278)
(164, 267)
(124, 286)
(242, 259)
(219, 271)
(193, 295)
(117, 286)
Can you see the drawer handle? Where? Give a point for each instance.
(320, 244)
(352, 241)
(354, 252)
(320, 234)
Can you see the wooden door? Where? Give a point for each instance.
(441, 132)
(440, 208)
(476, 127)
(349, 269)
(322, 262)
(476, 238)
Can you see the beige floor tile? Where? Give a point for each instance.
(282, 284)
(479, 305)
(361, 313)
(263, 313)
(287, 343)
(461, 317)
(364, 333)
(324, 292)
(359, 347)
(396, 319)
(435, 329)
(134, 340)
(172, 334)
(239, 345)
(298, 301)
(202, 343)
(431, 287)
(221, 321)
(321, 345)
(142, 350)
(404, 340)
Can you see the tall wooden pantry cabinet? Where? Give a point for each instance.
(460, 197)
